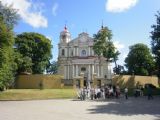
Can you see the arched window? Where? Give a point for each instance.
(83, 53)
(63, 52)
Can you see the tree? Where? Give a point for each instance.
(52, 68)
(103, 45)
(7, 64)
(139, 60)
(118, 69)
(35, 50)
(155, 36)
(24, 63)
(9, 15)
(8, 18)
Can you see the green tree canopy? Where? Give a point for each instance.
(35, 51)
(155, 35)
(52, 68)
(7, 65)
(9, 15)
(139, 60)
(103, 45)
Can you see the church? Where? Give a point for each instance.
(78, 63)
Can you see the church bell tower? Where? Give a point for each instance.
(64, 39)
(65, 36)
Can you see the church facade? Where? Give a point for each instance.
(78, 63)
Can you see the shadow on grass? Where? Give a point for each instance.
(132, 106)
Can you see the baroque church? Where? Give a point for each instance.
(78, 63)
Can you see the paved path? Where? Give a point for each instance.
(121, 109)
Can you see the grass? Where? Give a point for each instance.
(36, 94)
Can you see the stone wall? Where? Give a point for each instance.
(132, 81)
(39, 81)
(57, 81)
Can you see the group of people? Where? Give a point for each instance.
(99, 93)
(110, 91)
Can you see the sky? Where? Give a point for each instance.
(129, 20)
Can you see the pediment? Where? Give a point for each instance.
(83, 38)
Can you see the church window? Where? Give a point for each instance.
(72, 53)
(63, 52)
(83, 69)
(83, 53)
(105, 76)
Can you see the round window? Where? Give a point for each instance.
(83, 52)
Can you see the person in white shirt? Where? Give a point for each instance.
(126, 92)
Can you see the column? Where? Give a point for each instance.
(77, 52)
(98, 70)
(109, 76)
(89, 51)
(89, 72)
(59, 51)
(68, 72)
(102, 71)
(73, 71)
(92, 52)
(65, 70)
(76, 70)
(92, 68)
(89, 76)
(74, 51)
(65, 52)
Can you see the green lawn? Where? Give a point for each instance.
(35, 94)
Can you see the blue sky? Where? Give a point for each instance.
(129, 20)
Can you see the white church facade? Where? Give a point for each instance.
(78, 63)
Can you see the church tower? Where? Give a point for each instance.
(64, 39)
(65, 36)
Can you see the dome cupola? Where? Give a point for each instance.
(65, 36)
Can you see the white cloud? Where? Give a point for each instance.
(30, 12)
(54, 9)
(120, 5)
(118, 45)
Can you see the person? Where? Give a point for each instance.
(114, 90)
(92, 93)
(106, 92)
(126, 92)
(142, 89)
(136, 92)
(117, 91)
(111, 92)
(149, 92)
(98, 93)
(79, 93)
(103, 93)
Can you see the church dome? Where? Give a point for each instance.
(65, 31)
(65, 35)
